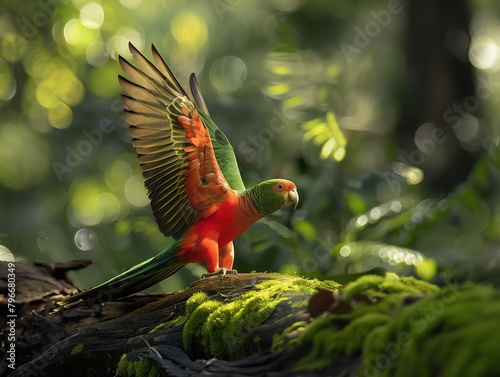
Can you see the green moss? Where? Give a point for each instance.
(192, 337)
(191, 305)
(227, 327)
(288, 339)
(420, 286)
(146, 368)
(372, 341)
(141, 368)
(390, 283)
(364, 284)
(194, 301)
(309, 286)
(223, 328)
(78, 349)
(179, 321)
(329, 340)
(448, 334)
(122, 367)
(357, 330)
(299, 284)
(361, 329)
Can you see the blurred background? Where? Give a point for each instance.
(384, 113)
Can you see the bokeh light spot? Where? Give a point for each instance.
(46, 93)
(484, 52)
(396, 206)
(110, 206)
(73, 31)
(228, 74)
(92, 15)
(412, 174)
(97, 54)
(85, 239)
(91, 204)
(468, 129)
(60, 115)
(117, 174)
(6, 255)
(345, 251)
(123, 227)
(190, 30)
(362, 221)
(375, 214)
(8, 86)
(13, 47)
(130, 4)
(135, 192)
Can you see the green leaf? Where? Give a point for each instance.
(329, 134)
(306, 229)
(356, 203)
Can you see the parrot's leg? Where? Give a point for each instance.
(210, 249)
(226, 256)
(226, 259)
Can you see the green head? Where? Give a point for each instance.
(269, 196)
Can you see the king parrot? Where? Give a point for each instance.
(191, 176)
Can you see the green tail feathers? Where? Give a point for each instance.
(134, 280)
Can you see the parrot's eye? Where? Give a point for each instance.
(279, 186)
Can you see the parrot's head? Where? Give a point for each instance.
(273, 194)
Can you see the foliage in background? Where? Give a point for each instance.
(297, 97)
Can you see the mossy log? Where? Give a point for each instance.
(258, 324)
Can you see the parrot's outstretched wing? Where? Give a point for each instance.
(173, 143)
(222, 147)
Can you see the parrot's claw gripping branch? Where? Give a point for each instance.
(220, 271)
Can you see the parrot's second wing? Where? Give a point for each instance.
(173, 145)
